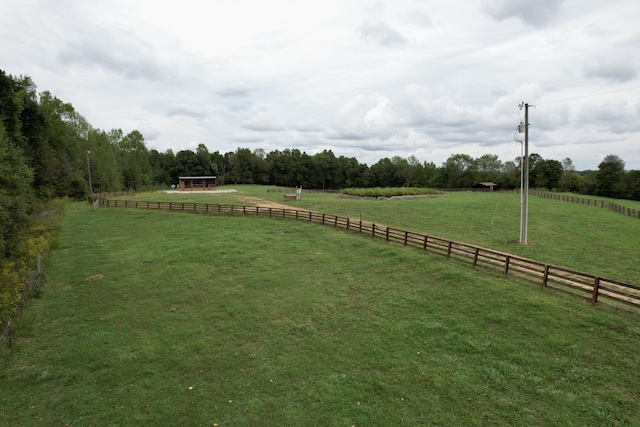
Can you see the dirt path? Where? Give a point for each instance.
(266, 203)
(269, 204)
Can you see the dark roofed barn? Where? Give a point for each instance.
(197, 183)
(485, 186)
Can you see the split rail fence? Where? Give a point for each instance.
(589, 202)
(596, 289)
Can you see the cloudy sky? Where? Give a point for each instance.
(366, 79)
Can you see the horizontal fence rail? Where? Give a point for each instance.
(597, 290)
(589, 202)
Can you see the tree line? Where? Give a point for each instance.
(58, 152)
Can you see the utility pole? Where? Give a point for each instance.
(89, 168)
(524, 165)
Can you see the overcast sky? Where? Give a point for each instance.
(366, 79)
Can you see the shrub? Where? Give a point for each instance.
(390, 191)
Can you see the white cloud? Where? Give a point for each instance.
(616, 68)
(537, 13)
(396, 78)
(263, 121)
(381, 33)
(365, 117)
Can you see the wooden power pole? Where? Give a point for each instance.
(524, 214)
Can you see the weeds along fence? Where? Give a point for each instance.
(96, 196)
(589, 202)
(596, 289)
(31, 289)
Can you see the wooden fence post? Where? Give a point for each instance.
(387, 234)
(596, 288)
(347, 224)
(475, 257)
(426, 240)
(506, 265)
(546, 276)
(406, 237)
(449, 249)
(373, 230)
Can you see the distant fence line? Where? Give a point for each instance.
(306, 190)
(112, 194)
(598, 290)
(589, 202)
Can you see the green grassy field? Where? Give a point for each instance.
(204, 320)
(584, 238)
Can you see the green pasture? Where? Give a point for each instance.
(585, 238)
(165, 318)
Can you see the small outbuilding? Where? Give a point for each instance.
(197, 183)
(489, 187)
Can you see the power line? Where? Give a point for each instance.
(593, 119)
(589, 96)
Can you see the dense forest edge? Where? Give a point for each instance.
(48, 152)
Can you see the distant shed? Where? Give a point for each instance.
(485, 186)
(201, 183)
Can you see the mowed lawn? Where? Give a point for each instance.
(584, 238)
(165, 318)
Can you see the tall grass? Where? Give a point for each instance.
(173, 319)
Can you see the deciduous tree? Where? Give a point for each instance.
(610, 176)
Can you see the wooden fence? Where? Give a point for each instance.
(598, 290)
(589, 202)
(97, 196)
(305, 190)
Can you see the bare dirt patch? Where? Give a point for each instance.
(265, 203)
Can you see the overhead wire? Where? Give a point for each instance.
(588, 96)
(593, 119)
